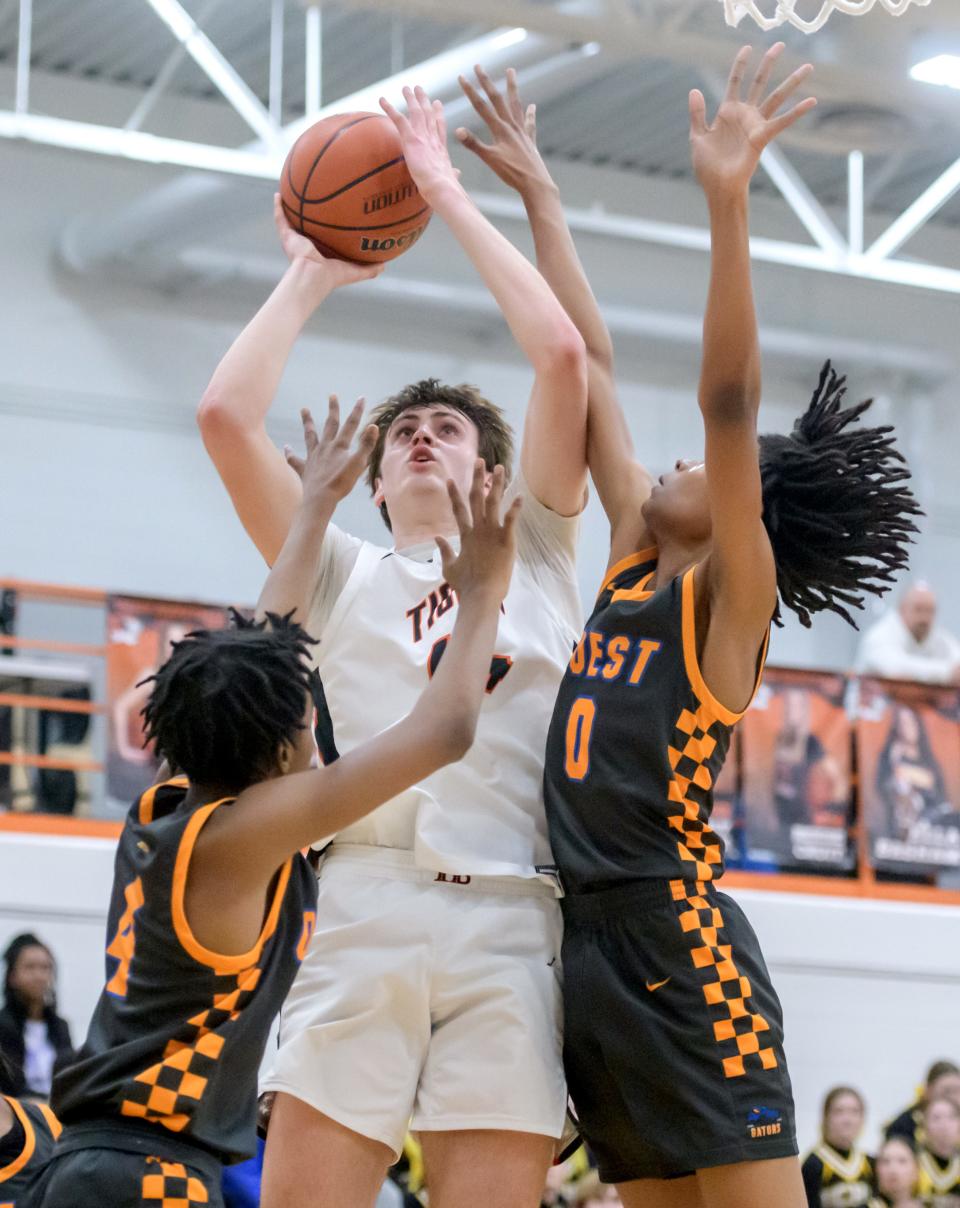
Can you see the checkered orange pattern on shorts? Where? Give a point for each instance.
(167, 1093)
(689, 752)
(738, 1030)
(170, 1185)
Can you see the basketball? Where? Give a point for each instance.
(345, 185)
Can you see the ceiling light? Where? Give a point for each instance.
(941, 69)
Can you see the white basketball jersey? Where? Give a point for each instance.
(387, 627)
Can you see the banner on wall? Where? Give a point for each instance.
(797, 782)
(908, 744)
(140, 635)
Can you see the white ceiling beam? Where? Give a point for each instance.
(168, 70)
(138, 145)
(313, 67)
(24, 38)
(917, 215)
(225, 77)
(276, 60)
(855, 204)
(655, 325)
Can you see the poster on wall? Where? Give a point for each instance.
(797, 783)
(908, 743)
(140, 635)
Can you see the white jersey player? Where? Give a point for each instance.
(430, 992)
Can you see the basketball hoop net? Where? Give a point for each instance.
(785, 11)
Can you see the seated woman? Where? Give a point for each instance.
(836, 1172)
(897, 1176)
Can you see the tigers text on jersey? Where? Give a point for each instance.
(178, 1034)
(839, 1179)
(383, 629)
(636, 741)
(19, 1172)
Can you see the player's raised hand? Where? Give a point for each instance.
(423, 136)
(513, 154)
(333, 463)
(487, 539)
(725, 154)
(298, 247)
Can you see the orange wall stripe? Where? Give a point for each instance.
(837, 887)
(53, 704)
(57, 824)
(55, 591)
(55, 647)
(48, 761)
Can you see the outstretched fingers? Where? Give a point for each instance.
(460, 511)
(352, 422)
(786, 90)
(764, 72)
(478, 496)
(400, 120)
(332, 425)
(698, 113)
(480, 106)
(514, 104)
(494, 95)
(737, 72)
(779, 124)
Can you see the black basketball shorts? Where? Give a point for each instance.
(176, 1176)
(674, 1035)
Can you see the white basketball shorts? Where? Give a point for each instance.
(426, 1003)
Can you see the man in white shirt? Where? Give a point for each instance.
(907, 643)
(431, 987)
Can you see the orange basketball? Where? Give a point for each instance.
(346, 186)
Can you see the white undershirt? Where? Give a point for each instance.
(39, 1056)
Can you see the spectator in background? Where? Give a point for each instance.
(33, 1037)
(836, 1173)
(939, 1157)
(907, 644)
(943, 1079)
(897, 1175)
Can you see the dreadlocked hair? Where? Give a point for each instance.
(835, 505)
(227, 700)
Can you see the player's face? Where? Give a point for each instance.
(32, 975)
(896, 1169)
(844, 1121)
(678, 507)
(941, 1121)
(424, 447)
(946, 1084)
(919, 611)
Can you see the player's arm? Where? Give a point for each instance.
(622, 483)
(239, 851)
(739, 590)
(327, 474)
(234, 407)
(554, 443)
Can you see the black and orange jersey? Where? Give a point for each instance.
(837, 1178)
(939, 1179)
(179, 1031)
(636, 741)
(34, 1134)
